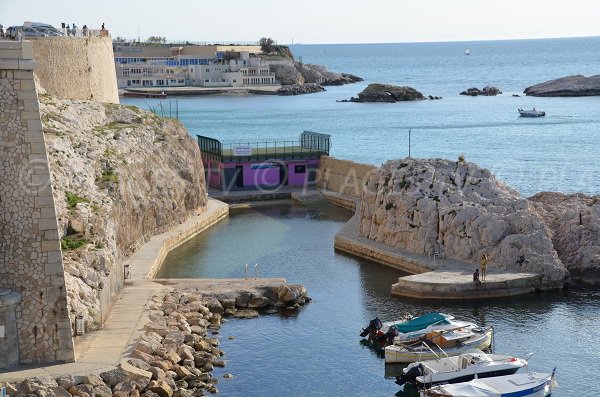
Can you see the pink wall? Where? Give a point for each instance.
(260, 176)
(214, 173)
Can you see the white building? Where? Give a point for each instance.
(192, 70)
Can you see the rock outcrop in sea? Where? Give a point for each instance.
(300, 73)
(299, 89)
(461, 210)
(573, 223)
(120, 175)
(486, 91)
(376, 92)
(567, 86)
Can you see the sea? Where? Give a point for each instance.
(318, 351)
(558, 152)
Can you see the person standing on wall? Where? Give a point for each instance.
(484, 263)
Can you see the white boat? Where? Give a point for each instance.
(407, 330)
(522, 385)
(467, 52)
(437, 344)
(461, 368)
(531, 113)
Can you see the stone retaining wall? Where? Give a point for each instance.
(174, 241)
(30, 253)
(343, 176)
(77, 67)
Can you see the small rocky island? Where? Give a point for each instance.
(567, 86)
(377, 92)
(462, 210)
(486, 91)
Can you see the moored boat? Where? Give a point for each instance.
(461, 368)
(531, 113)
(522, 385)
(438, 344)
(144, 94)
(390, 332)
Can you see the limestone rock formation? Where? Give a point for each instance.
(299, 89)
(573, 222)
(567, 86)
(387, 93)
(299, 73)
(461, 210)
(486, 91)
(120, 175)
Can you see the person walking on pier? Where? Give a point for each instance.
(484, 262)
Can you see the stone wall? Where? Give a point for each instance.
(77, 68)
(343, 176)
(30, 253)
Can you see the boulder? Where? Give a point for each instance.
(486, 91)
(161, 388)
(246, 313)
(460, 209)
(387, 93)
(68, 381)
(140, 376)
(577, 85)
(299, 89)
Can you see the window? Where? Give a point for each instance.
(207, 70)
(206, 81)
(234, 80)
(300, 169)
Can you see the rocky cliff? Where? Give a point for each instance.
(299, 73)
(120, 175)
(567, 86)
(573, 222)
(459, 209)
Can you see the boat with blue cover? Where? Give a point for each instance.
(406, 330)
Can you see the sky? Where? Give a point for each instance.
(318, 21)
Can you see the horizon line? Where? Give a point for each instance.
(449, 41)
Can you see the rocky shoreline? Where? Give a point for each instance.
(175, 356)
(486, 91)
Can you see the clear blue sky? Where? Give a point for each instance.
(318, 21)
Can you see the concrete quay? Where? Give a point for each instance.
(432, 277)
(102, 350)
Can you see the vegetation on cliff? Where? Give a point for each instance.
(119, 176)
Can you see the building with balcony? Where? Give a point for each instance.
(201, 66)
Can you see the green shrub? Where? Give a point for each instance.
(68, 244)
(73, 199)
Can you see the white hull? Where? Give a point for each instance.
(522, 385)
(464, 367)
(399, 353)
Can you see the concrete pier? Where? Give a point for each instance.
(432, 277)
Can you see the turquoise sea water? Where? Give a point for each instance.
(558, 152)
(317, 352)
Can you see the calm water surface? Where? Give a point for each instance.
(317, 352)
(558, 152)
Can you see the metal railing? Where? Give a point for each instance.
(309, 145)
(85, 32)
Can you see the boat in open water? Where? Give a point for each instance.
(461, 368)
(517, 385)
(531, 113)
(437, 344)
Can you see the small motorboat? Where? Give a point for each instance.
(384, 334)
(522, 385)
(439, 344)
(461, 368)
(531, 113)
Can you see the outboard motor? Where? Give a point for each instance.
(411, 375)
(374, 325)
(391, 334)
